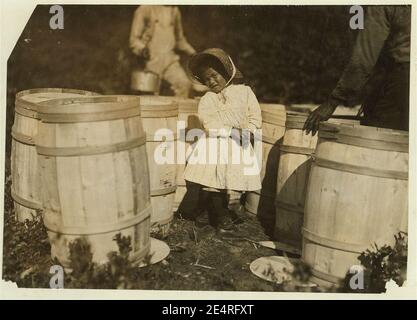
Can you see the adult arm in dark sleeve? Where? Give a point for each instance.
(368, 46)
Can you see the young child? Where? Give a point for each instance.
(227, 110)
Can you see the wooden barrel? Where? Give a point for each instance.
(25, 188)
(94, 174)
(357, 196)
(160, 113)
(273, 127)
(187, 119)
(293, 172)
(340, 110)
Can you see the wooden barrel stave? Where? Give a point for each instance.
(294, 168)
(160, 113)
(94, 194)
(261, 202)
(293, 174)
(188, 113)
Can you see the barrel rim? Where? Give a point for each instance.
(274, 116)
(268, 104)
(297, 120)
(361, 131)
(295, 116)
(310, 107)
(90, 117)
(89, 109)
(19, 98)
(159, 108)
(185, 105)
(122, 102)
(177, 99)
(151, 100)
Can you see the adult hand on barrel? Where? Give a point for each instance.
(322, 113)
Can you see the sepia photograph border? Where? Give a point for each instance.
(15, 15)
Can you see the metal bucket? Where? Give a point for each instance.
(144, 81)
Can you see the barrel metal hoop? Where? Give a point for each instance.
(189, 110)
(333, 244)
(271, 140)
(289, 207)
(26, 105)
(90, 150)
(26, 112)
(147, 113)
(294, 125)
(272, 118)
(24, 202)
(23, 138)
(188, 106)
(163, 191)
(160, 138)
(365, 171)
(92, 230)
(296, 150)
(363, 142)
(89, 117)
(163, 222)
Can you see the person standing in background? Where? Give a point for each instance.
(384, 41)
(156, 34)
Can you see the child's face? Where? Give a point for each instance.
(214, 80)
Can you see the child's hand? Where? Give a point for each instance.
(246, 138)
(241, 136)
(235, 134)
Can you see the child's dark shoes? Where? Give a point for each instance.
(202, 220)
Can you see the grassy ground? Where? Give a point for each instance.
(200, 259)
